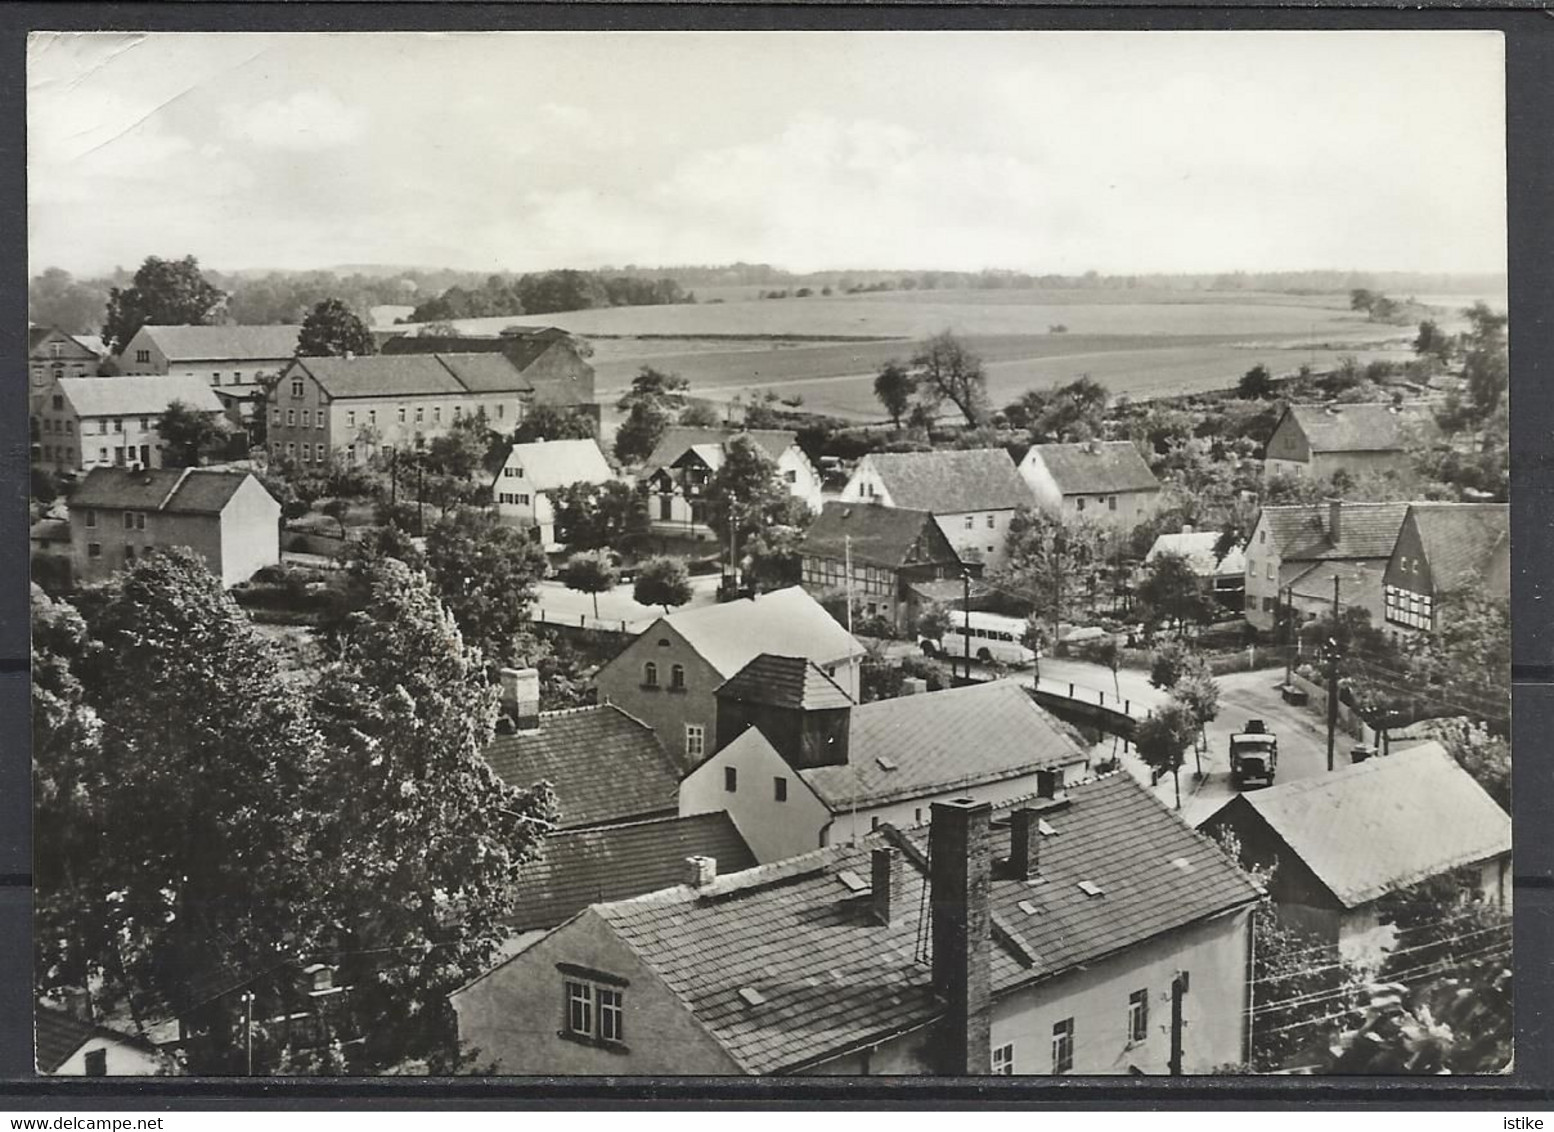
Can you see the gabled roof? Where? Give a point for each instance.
(144, 395)
(586, 866)
(1459, 538)
(1096, 467)
(1364, 427)
(1386, 823)
(224, 343)
(1315, 581)
(1198, 548)
(183, 491)
(522, 347)
(38, 335)
(880, 536)
(58, 1034)
(94, 343)
(410, 375)
(938, 741)
(951, 482)
(604, 765)
(772, 441)
(1366, 530)
(830, 977)
(784, 681)
(785, 622)
(549, 464)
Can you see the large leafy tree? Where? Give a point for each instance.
(746, 496)
(945, 369)
(594, 515)
(165, 292)
(1485, 360)
(1171, 592)
(1051, 562)
(553, 422)
(56, 298)
(664, 581)
(893, 387)
(1163, 738)
(485, 572)
(591, 572)
(421, 862)
(333, 329)
(640, 432)
(665, 391)
(190, 436)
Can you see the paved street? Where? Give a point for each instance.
(554, 602)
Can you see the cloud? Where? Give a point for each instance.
(308, 121)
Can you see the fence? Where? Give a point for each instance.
(1348, 721)
(571, 620)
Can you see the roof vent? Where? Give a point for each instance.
(1090, 888)
(885, 763)
(752, 996)
(852, 881)
(1028, 908)
(1044, 829)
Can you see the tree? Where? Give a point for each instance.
(189, 435)
(1483, 754)
(165, 292)
(1457, 1023)
(461, 452)
(1066, 413)
(553, 422)
(332, 329)
(1198, 693)
(1162, 740)
(745, 496)
(419, 869)
(56, 298)
(1255, 384)
(894, 386)
(1485, 360)
(773, 558)
(700, 414)
(640, 432)
(1051, 562)
(1434, 345)
(1362, 299)
(945, 369)
(1168, 663)
(666, 392)
(933, 622)
(594, 515)
(1170, 591)
(590, 572)
(485, 572)
(662, 581)
(337, 509)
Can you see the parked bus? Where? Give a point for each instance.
(992, 638)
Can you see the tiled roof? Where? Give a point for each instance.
(785, 681)
(1316, 582)
(1097, 467)
(144, 395)
(1366, 530)
(604, 765)
(1458, 538)
(830, 977)
(938, 741)
(582, 867)
(410, 375)
(1198, 548)
(881, 536)
(93, 342)
(225, 343)
(1386, 823)
(951, 482)
(58, 1034)
(785, 622)
(1366, 427)
(37, 335)
(774, 442)
(484, 373)
(521, 349)
(550, 464)
(186, 491)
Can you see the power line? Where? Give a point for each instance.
(1390, 954)
(1444, 963)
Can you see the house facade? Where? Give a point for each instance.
(1220, 577)
(93, 422)
(876, 554)
(228, 518)
(677, 472)
(1054, 947)
(352, 408)
(69, 1044)
(1319, 440)
(972, 494)
(522, 485)
(553, 362)
(1107, 481)
(1443, 549)
(52, 354)
(238, 360)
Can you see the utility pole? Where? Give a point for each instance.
(248, 1028)
(965, 576)
(1288, 596)
(1332, 678)
(1178, 992)
(847, 558)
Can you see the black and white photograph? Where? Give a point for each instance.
(730, 554)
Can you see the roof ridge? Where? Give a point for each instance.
(452, 373)
(168, 498)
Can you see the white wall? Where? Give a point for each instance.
(124, 1059)
(984, 540)
(250, 533)
(865, 486)
(805, 483)
(774, 830)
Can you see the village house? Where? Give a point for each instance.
(228, 518)
(352, 407)
(1294, 552)
(799, 765)
(1343, 841)
(677, 472)
(1442, 550)
(1223, 578)
(972, 494)
(91, 422)
(1081, 930)
(53, 354)
(669, 675)
(237, 360)
(886, 549)
(69, 1043)
(1104, 480)
(553, 362)
(1318, 440)
(522, 485)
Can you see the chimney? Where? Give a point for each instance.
(521, 696)
(959, 886)
(1024, 843)
(885, 880)
(1187, 528)
(350, 355)
(1335, 509)
(1049, 783)
(914, 686)
(700, 871)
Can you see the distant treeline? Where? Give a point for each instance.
(548, 291)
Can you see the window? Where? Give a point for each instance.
(677, 677)
(1003, 1060)
(595, 1012)
(437, 414)
(350, 418)
(372, 416)
(118, 424)
(650, 675)
(56, 349)
(1138, 1016)
(215, 378)
(142, 355)
(1270, 571)
(401, 414)
(97, 1059)
(70, 427)
(501, 411)
(145, 423)
(291, 418)
(59, 401)
(991, 522)
(1111, 503)
(1262, 537)
(731, 779)
(94, 550)
(129, 554)
(291, 449)
(307, 419)
(129, 520)
(237, 377)
(612, 1015)
(522, 499)
(102, 455)
(420, 413)
(791, 476)
(296, 387)
(1063, 1046)
(971, 522)
(275, 417)
(102, 427)
(695, 740)
(580, 1008)
(1079, 504)
(780, 788)
(350, 453)
(118, 455)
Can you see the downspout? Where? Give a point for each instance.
(1251, 976)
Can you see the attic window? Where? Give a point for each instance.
(1027, 907)
(1090, 888)
(663, 642)
(1044, 829)
(852, 881)
(886, 763)
(752, 996)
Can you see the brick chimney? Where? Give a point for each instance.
(1024, 843)
(521, 697)
(1049, 783)
(960, 880)
(700, 871)
(1335, 510)
(885, 885)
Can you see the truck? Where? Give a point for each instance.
(1254, 755)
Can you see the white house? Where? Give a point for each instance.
(234, 359)
(70, 1044)
(92, 422)
(1105, 480)
(972, 494)
(522, 485)
(677, 472)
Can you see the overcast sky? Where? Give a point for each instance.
(1034, 151)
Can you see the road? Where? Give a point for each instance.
(561, 604)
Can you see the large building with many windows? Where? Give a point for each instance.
(238, 360)
(91, 422)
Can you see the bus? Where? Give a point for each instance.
(993, 638)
